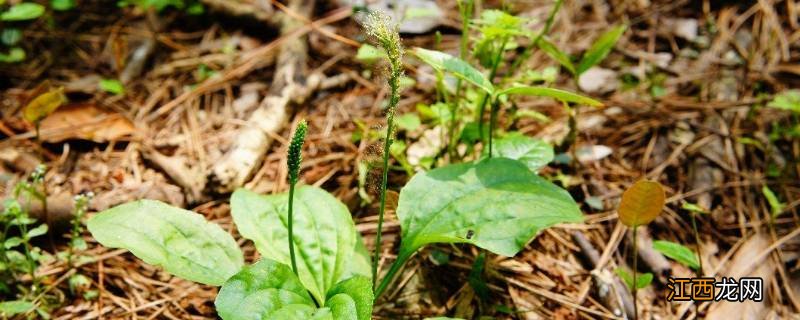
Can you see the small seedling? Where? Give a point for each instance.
(693, 211)
(596, 53)
(640, 205)
(441, 61)
(17, 255)
(775, 205)
(642, 280)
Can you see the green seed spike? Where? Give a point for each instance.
(295, 147)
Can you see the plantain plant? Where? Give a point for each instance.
(640, 205)
(329, 278)
(497, 203)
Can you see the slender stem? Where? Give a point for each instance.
(529, 49)
(697, 241)
(699, 256)
(465, 10)
(635, 258)
(492, 122)
(291, 227)
(394, 83)
(492, 73)
(402, 257)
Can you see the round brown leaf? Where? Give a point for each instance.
(641, 203)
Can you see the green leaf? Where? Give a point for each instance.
(112, 86)
(23, 11)
(351, 299)
(62, 5)
(476, 279)
(15, 54)
(259, 291)
(600, 49)
(180, 241)
(38, 231)
(497, 204)
(642, 280)
(551, 50)
(11, 308)
(324, 234)
(12, 242)
(677, 252)
(534, 153)
(408, 121)
(558, 94)
(361, 264)
(461, 69)
(44, 104)
(694, 208)
(369, 54)
(11, 36)
(787, 100)
(776, 207)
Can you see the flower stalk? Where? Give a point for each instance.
(293, 161)
(379, 26)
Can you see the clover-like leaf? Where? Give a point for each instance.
(262, 290)
(497, 204)
(180, 241)
(677, 252)
(534, 153)
(641, 203)
(557, 94)
(324, 234)
(444, 62)
(600, 49)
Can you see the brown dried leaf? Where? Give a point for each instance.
(85, 121)
(641, 203)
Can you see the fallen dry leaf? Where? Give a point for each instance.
(85, 121)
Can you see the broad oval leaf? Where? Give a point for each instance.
(534, 153)
(497, 204)
(600, 48)
(324, 234)
(180, 241)
(557, 94)
(23, 11)
(551, 50)
(44, 104)
(261, 290)
(641, 203)
(444, 62)
(677, 252)
(357, 289)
